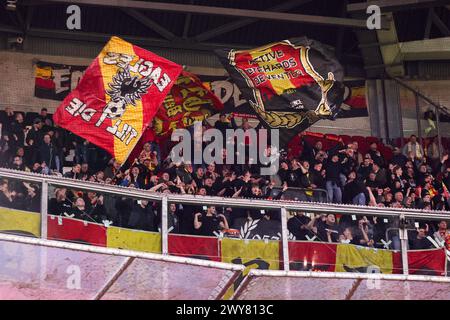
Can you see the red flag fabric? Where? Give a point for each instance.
(117, 97)
(428, 262)
(312, 256)
(67, 229)
(207, 248)
(397, 266)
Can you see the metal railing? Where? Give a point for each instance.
(282, 205)
(302, 194)
(130, 256)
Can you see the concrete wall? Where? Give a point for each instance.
(436, 90)
(17, 88)
(17, 78)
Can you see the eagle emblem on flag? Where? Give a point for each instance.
(124, 90)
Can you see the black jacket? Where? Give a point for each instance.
(351, 190)
(317, 179)
(16, 135)
(333, 170)
(47, 153)
(59, 208)
(142, 218)
(36, 136)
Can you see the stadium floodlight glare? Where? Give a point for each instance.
(11, 5)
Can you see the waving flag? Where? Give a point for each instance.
(188, 101)
(290, 84)
(117, 97)
(55, 81)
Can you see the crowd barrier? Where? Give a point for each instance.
(302, 194)
(35, 269)
(253, 254)
(283, 254)
(302, 285)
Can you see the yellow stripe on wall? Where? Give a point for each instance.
(17, 220)
(128, 239)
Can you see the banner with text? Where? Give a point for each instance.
(55, 81)
(290, 84)
(188, 101)
(117, 97)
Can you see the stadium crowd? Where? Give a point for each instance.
(413, 178)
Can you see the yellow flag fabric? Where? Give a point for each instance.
(254, 254)
(18, 221)
(350, 258)
(45, 73)
(133, 240)
(117, 97)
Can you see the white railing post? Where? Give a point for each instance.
(284, 240)
(44, 209)
(403, 235)
(220, 201)
(164, 226)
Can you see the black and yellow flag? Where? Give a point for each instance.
(290, 84)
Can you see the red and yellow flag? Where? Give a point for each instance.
(189, 101)
(117, 97)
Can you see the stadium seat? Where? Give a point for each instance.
(311, 140)
(347, 139)
(398, 141)
(294, 147)
(333, 137)
(371, 140)
(386, 152)
(328, 144)
(361, 140)
(363, 146)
